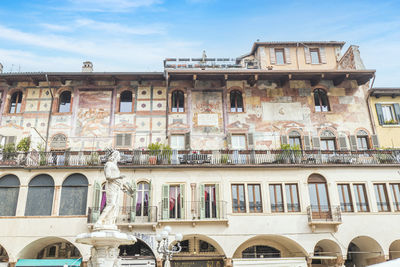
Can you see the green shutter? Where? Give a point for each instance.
(202, 202)
(342, 143)
(96, 202)
(284, 140)
(316, 143)
(307, 55)
(397, 112)
(133, 201)
(375, 142)
(150, 208)
(272, 56)
(307, 142)
(353, 143)
(219, 206)
(165, 202)
(229, 140)
(183, 204)
(322, 55)
(380, 114)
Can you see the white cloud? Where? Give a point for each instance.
(110, 5)
(55, 27)
(119, 28)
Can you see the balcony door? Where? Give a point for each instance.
(319, 198)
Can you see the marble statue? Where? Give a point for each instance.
(115, 184)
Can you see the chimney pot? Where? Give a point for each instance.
(87, 66)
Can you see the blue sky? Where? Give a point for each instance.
(136, 35)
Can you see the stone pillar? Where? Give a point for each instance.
(12, 264)
(159, 262)
(228, 262)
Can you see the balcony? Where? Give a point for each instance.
(193, 212)
(128, 216)
(202, 158)
(324, 215)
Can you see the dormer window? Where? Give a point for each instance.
(315, 57)
(280, 56)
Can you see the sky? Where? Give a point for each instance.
(136, 35)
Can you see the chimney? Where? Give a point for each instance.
(87, 66)
(1, 68)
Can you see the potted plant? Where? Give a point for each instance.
(9, 152)
(23, 147)
(154, 151)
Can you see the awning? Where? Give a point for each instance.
(49, 262)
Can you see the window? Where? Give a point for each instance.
(59, 141)
(142, 200)
(381, 197)
(318, 196)
(177, 101)
(16, 102)
(346, 204)
(210, 202)
(328, 141)
(123, 140)
(361, 198)
(315, 57)
(178, 142)
(173, 204)
(295, 139)
(125, 103)
(238, 141)
(74, 195)
(395, 189)
(236, 101)
(238, 199)
(292, 198)
(280, 56)
(40, 196)
(261, 252)
(254, 193)
(9, 190)
(64, 104)
(275, 194)
(206, 247)
(388, 113)
(321, 100)
(362, 140)
(5, 140)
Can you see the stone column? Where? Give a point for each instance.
(159, 262)
(228, 262)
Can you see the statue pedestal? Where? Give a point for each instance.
(105, 243)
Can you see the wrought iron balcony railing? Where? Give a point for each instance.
(323, 213)
(127, 215)
(192, 210)
(203, 158)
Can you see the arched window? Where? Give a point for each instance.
(261, 252)
(74, 195)
(140, 250)
(328, 140)
(40, 196)
(125, 103)
(177, 101)
(295, 139)
(64, 104)
(142, 201)
(321, 100)
(236, 101)
(16, 102)
(59, 141)
(318, 196)
(362, 140)
(9, 190)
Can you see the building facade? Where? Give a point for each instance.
(267, 159)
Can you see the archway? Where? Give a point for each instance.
(363, 251)
(3, 257)
(327, 253)
(394, 250)
(139, 254)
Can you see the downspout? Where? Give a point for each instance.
(166, 106)
(51, 109)
(297, 55)
(369, 106)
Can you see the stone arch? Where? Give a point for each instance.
(327, 253)
(394, 250)
(3, 254)
(363, 251)
(207, 239)
(129, 250)
(286, 246)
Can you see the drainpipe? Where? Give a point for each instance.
(167, 105)
(297, 55)
(51, 108)
(371, 118)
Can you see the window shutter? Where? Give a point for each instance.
(165, 202)
(307, 55)
(219, 212)
(119, 141)
(187, 141)
(229, 140)
(96, 202)
(342, 143)
(133, 201)
(397, 111)
(272, 56)
(307, 142)
(202, 202)
(183, 204)
(149, 208)
(287, 55)
(353, 143)
(375, 142)
(316, 143)
(322, 54)
(379, 113)
(250, 140)
(284, 140)
(128, 140)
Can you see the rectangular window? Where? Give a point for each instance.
(361, 198)
(123, 140)
(178, 142)
(395, 189)
(175, 204)
(381, 197)
(362, 142)
(254, 195)
(295, 141)
(238, 199)
(292, 198)
(328, 144)
(315, 58)
(388, 114)
(275, 193)
(280, 56)
(8, 140)
(346, 204)
(210, 201)
(238, 142)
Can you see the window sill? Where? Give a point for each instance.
(324, 112)
(62, 113)
(236, 112)
(171, 112)
(122, 113)
(390, 125)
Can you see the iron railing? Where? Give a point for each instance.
(203, 157)
(323, 213)
(127, 214)
(192, 210)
